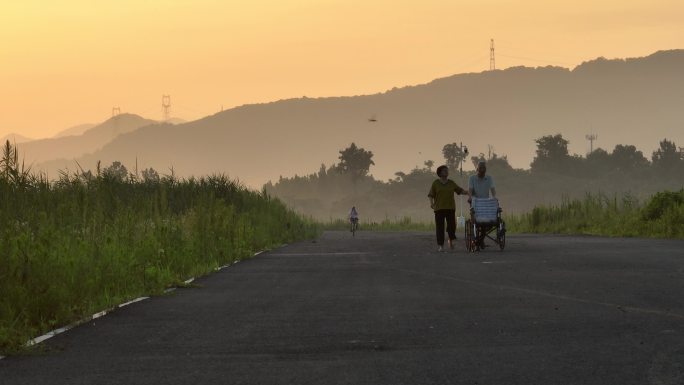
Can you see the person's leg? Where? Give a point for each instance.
(451, 226)
(439, 225)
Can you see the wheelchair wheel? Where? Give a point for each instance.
(471, 242)
(501, 235)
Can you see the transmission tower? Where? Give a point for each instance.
(492, 60)
(591, 138)
(116, 111)
(166, 107)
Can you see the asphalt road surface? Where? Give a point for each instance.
(386, 308)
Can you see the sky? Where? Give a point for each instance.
(69, 62)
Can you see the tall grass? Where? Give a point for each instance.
(80, 245)
(661, 216)
(403, 224)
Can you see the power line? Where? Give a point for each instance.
(536, 60)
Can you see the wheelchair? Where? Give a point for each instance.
(485, 219)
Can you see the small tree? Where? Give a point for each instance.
(355, 161)
(116, 171)
(150, 175)
(454, 155)
(627, 158)
(429, 164)
(499, 163)
(667, 157)
(552, 154)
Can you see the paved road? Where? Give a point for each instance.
(384, 308)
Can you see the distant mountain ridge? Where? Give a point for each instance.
(625, 101)
(14, 138)
(73, 146)
(75, 130)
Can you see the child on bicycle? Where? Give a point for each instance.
(353, 216)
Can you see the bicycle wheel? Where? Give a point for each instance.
(501, 235)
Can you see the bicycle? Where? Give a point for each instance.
(354, 223)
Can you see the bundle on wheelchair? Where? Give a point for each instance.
(485, 218)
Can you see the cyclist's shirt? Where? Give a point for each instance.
(353, 214)
(443, 193)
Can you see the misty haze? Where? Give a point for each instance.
(501, 113)
(328, 192)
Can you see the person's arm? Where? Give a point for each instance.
(493, 192)
(431, 196)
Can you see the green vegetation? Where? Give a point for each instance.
(403, 224)
(88, 242)
(661, 216)
(554, 175)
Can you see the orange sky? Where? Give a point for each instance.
(68, 62)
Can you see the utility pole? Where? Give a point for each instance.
(166, 107)
(492, 60)
(591, 138)
(460, 221)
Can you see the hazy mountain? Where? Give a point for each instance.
(175, 121)
(74, 146)
(14, 138)
(634, 101)
(75, 130)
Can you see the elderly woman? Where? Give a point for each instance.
(442, 202)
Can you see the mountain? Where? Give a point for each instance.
(625, 101)
(175, 121)
(14, 138)
(74, 146)
(75, 130)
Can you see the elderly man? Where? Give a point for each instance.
(480, 185)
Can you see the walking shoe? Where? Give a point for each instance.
(440, 249)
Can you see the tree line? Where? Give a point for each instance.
(554, 174)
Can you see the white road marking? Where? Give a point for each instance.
(138, 300)
(55, 332)
(49, 335)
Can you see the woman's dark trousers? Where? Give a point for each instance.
(440, 217)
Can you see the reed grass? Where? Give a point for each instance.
(660, 216)
(72, 248)
(402, 224)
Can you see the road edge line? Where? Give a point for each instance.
(52, 333)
